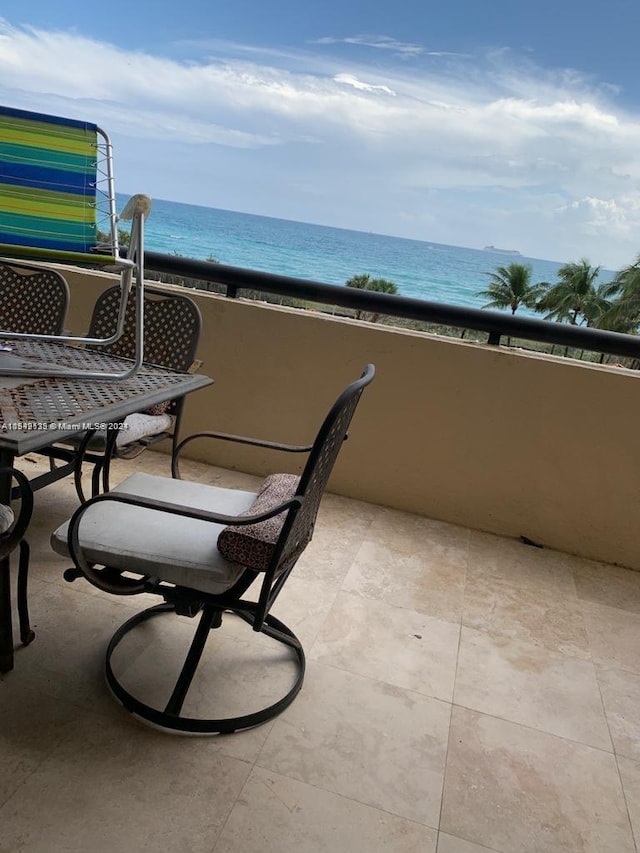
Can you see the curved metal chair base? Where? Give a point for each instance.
(170, 718)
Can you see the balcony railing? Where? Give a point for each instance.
(493, 323)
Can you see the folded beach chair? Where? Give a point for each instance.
(57, 205)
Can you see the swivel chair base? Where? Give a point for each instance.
(170, 717)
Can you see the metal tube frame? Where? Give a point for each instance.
(133, 261)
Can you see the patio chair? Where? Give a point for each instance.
(12, 530)
(172, 325)
(57, 197)
(200, 548)
(33, 300)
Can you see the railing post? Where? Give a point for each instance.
(494, 339)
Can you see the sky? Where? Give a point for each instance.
(463, 122)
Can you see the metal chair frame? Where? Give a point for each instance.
(172, 327)
(13, 538)
(300, 514)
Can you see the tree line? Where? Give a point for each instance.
(575, 298)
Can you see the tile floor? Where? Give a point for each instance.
(464, 694)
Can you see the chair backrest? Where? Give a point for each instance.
(298, 528)
(172, 324)
(32, 300)
(51, 187)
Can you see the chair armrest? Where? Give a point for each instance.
(129, 586)
(239, 439)
(10, 540)
(185, 511)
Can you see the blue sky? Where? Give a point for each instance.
(463, 122)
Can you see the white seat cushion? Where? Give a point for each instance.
(178, 550)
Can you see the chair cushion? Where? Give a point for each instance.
(6, 518)
(176, 549)
(142, 425)
(253, 544)
(136, 426)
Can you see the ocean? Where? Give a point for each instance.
(420, 269)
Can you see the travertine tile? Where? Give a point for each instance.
(280, 814)
(418, 582)
(528, 684)
(630, 775)
(404, 532)
(73, 626)
(512, 788)
(390, 644)
(621, 697)
(451, 844)
(365, 740)
(32, 722)
(340, 513)
(109, 787)
(613, 635)
(536, 616)
(303, 605)
(524, 566)
(612, 586)
(412, 562)
(337, 538)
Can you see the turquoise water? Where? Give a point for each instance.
(423, 270)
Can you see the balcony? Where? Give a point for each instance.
(465, 692)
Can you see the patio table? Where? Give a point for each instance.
(37, 411)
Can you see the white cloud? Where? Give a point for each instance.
(618, 217)
(350, 80)
(379, 43)
(371, 147)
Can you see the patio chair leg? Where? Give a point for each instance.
(105, 466)
(26, 634)
(77, 481)
(95, 478)
(6, 632)
(174, 705)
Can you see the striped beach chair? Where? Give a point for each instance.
(57, 204)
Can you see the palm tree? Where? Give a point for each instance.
(510, 287)
(574, 298)
(623, 312)
(360, 281)
(365, 282)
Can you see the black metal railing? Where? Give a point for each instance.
(495, 324)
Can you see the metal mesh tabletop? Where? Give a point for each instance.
(36, 411)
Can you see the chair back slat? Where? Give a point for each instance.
(48, 179)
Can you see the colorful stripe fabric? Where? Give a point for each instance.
(48, 168)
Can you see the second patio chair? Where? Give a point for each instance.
(172, 325)
(201, 548)
(33, 300)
